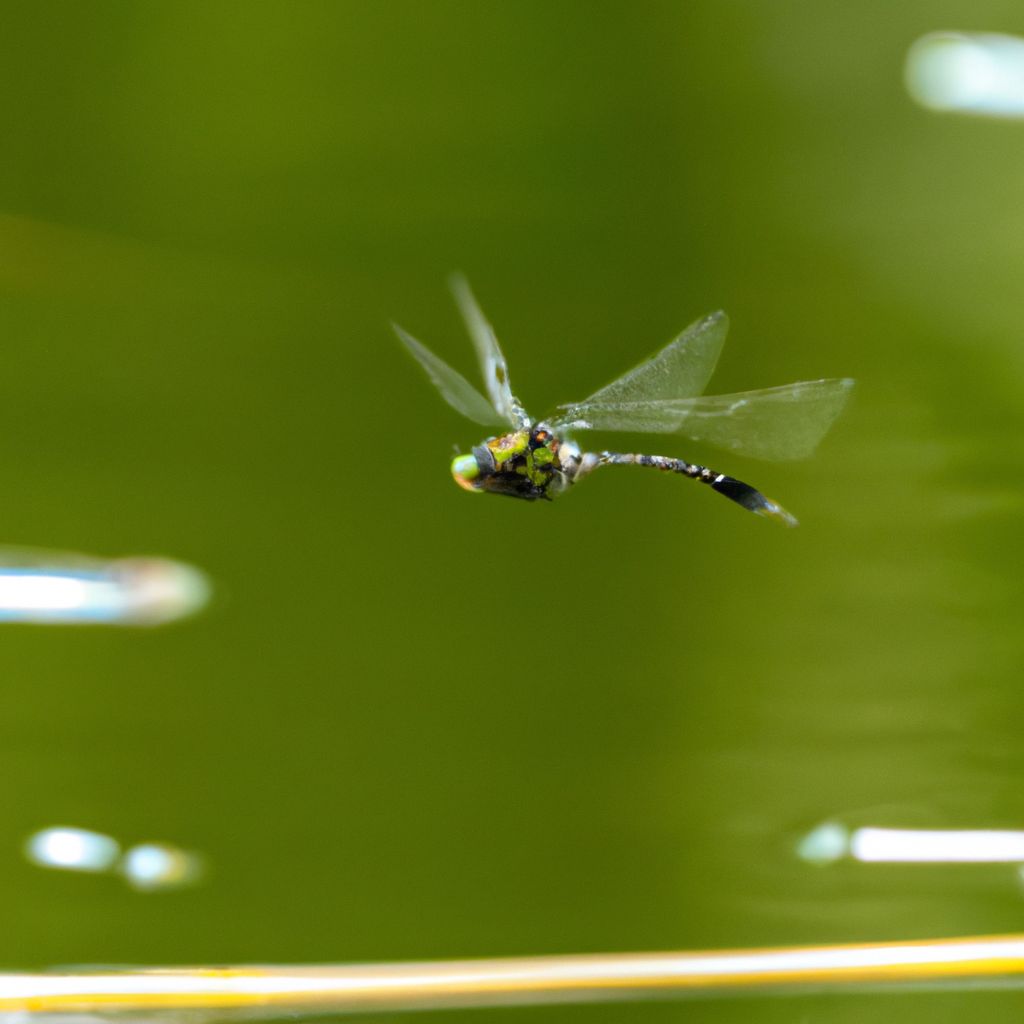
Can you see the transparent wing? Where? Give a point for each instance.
(456, 390)
(786, 422)
(681, 369)
(492, 361)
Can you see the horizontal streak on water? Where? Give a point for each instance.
(527, 980)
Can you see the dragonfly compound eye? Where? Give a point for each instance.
(466, 471)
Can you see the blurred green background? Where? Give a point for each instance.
(418, 724)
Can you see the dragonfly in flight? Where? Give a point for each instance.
(534, 459)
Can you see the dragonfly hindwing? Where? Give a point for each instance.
(454, 388)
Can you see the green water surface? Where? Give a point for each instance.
(419, 724)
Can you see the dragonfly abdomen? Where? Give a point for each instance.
(735, 490)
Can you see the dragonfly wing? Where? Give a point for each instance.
(681, 369)
(786, 422)
(492, 360)
(455, 389)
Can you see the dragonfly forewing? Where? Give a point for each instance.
(492, 360)
(681, 369)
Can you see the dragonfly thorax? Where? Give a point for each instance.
(531, 463)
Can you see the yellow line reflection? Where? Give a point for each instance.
(477, 983)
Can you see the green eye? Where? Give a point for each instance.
(466, 471)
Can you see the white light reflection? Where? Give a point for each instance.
(826, 843)
(920, 846)
(72, 849)
(830, 842)
(152, 866)
(969, 73)
(147, 867)
(53, 588)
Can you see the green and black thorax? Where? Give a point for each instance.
(530, 463)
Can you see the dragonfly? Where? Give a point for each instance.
(538, 459)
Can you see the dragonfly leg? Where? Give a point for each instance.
(735, 490)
